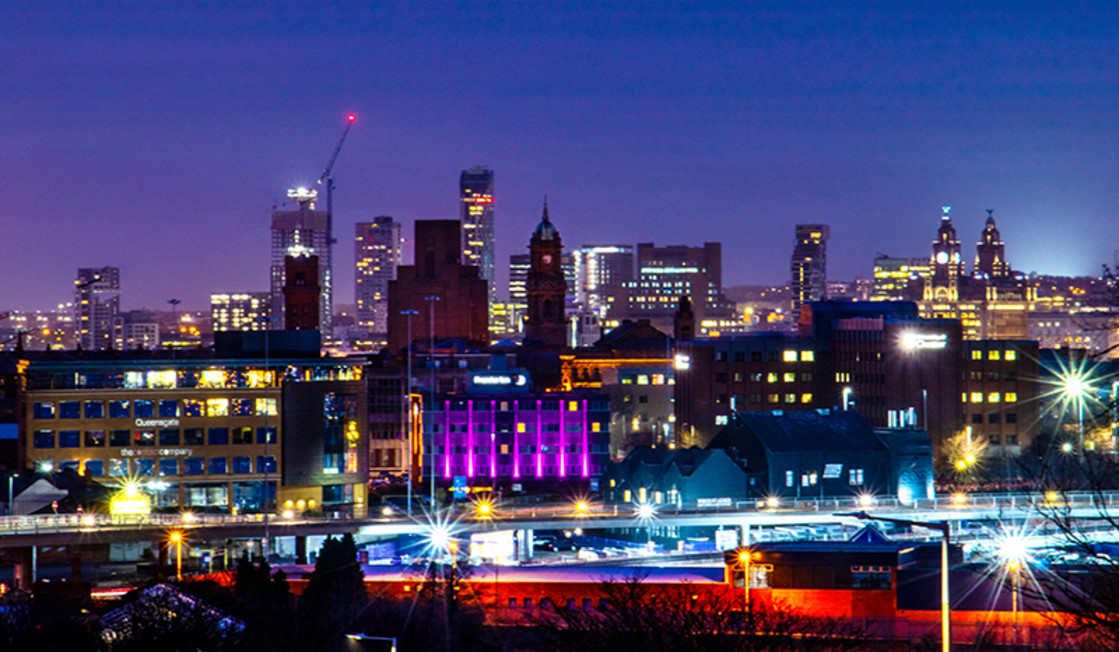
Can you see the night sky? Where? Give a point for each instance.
(157, 136)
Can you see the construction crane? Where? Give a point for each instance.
(329, 180)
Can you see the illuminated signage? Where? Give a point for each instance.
(130, 507)
(913, 340)
(159, 423)
(517, 380)
(160, 452)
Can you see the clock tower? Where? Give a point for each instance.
(946, 264)
(545, 287)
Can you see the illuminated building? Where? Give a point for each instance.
(96, 307)
(519, 265)
(450, 299)
(992, 303)
(546, 288)
(240, 311)
(302, 232)
(205, 432)
(899, 279)
(377, 253)
(664, 274)
(999, 392)
(499, 434)
(600, 271)
(810, 264)
(139, 329)
(476, 215)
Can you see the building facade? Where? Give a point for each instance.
(546, 288)
(240, 311)
(600, 271)
(476, 215)
(377, 253)
(96, 307)
(449, 298)
(231, 435)
(664, 275)
(810, 264)
(303, 232)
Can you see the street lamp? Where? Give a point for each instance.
(11, 479)
(945, 533)
(847, 391)
(1076, 386)
(1014, 552)
(744, 561)
(408, 406)
(177, 539)
(431, 370)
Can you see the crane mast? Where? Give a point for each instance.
(326, 177)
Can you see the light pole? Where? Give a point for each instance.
(1114, 417)
(11, 479)
(747, 611)
(1076, 386)
(267, 437)
(408, 407)
(846, 397)
(431, 370)
(177, 539)
(945, 533)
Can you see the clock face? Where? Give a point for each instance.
(547, 259)
(942, 257)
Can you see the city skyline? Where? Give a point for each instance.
(158, 140)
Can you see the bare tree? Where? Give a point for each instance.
(635, 616)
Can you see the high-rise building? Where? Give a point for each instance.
(240, 311)
(96, 307)
(476, 210)
(519, 265)
(450, 300)
(139, 329)
(546, 287)
(664, 275)
(377, 253)
(810, 264)
(899, 279)
(303, 232)
(600, 271)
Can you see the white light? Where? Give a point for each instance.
(646, 511)
(683, 362)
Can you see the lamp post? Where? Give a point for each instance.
(945, 533)
(177, 539)
(747, 611)
(846, 397)
(1076, 386)
(408, 407)
(431, 370)
(11, 479)
(1115, 417)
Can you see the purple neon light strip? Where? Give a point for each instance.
(516, 442)
(470, 438)
(493, 440)
(539, 440)
(563, 453)
(447, 449)
(586, 448)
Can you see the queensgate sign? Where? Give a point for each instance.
(156, 423)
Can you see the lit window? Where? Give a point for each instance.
(992, 355)
(790, 377)
(573, 406)
(266, 406)
(720, 419)
(217, 407)
(772, 398)
(642, 379)
(790, 398)
(596, 426)
(976, 355)
(1011, 397)
(993, 397)
(963, 397)
(977, 397)
(520, 427)
(1010, 355)
(807, 356)
(805, 398)
(790, 356)
(771, 377)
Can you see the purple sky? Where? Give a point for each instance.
(157, 139)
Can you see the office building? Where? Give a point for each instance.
(302, 293)
(664, 275)
(377, 253)
(600, 271)
(204, 432)
(476, 215)
(450, 299)
(899, 279)
(240, 311)
(139, 329)
(96, 307)
(809, 265)
(303, 232)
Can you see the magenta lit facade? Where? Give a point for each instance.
(525, 439)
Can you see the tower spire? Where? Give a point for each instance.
(545, 219)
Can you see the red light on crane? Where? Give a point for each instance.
(351, 117)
